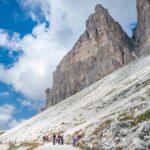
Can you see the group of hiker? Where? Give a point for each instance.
(58, 138)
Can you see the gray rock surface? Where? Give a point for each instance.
(142, 142)
(101, 49)
(111, 138)
(142, 32)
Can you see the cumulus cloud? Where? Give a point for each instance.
(29, 105)
(6, 116)
(13, 123)
(9, 42)
(31, 75)
(47, 44)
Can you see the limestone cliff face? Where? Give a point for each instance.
(142, 31)
(103, 48)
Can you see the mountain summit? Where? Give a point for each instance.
(101, 49)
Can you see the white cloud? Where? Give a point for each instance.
(26, 103)
(13, 123)
(70, 14)
(45, 46)
(4, 94)
(6, 110)
(6, 116)
(30, 105)
(31, 75)
(9, 42)
(7, 119)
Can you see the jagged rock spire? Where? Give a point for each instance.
(96, 19)
(99, 8)
(101, 49)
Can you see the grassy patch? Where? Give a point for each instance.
(29, 146)
(12, 146)
(143, 84)
(1, 133)
(143, 117)
(101, 127)
(126, 116)
(83, 145)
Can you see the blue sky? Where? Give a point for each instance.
(34, 36)
(13, 19)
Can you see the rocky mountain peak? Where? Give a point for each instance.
(99, 18)
(142, 31)
(99, 8)
(96, 54)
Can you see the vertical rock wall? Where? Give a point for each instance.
(103, 48)
(142, 32)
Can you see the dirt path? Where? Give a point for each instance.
(56, 147)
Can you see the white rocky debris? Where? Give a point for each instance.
(112, 113)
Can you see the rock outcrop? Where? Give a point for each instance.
(142, 32)
(103, 48)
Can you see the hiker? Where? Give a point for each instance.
(44, 138)
(75, 139)
(58, 138)
(61, 138)
(54, 139)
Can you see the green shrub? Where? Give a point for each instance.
(143, 117)
(101, 127)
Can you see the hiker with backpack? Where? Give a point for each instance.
(75, 139)
(58, 138)
(61, 138)
(45, 138)
(54, 139)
